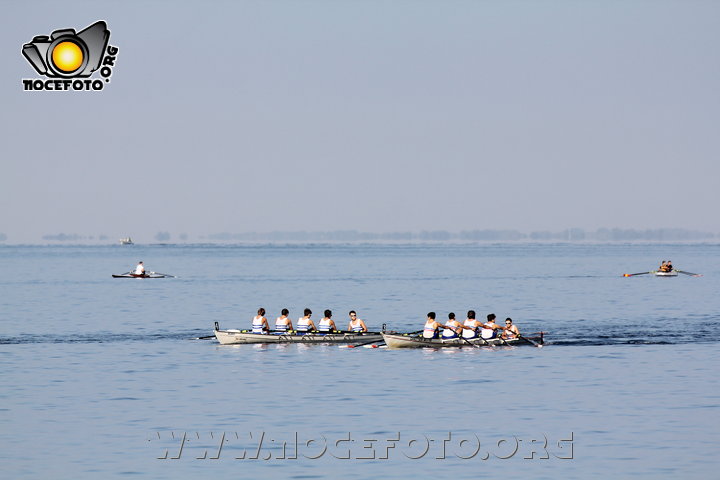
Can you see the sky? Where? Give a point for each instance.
(260, 116)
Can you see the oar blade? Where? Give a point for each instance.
(531, 342)
(689, 273)
(634, 274)
(163, 274)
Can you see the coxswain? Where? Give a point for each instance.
(140, 269)
(327, 324)
(432, 327)
(356, 324)
(260, 323)
(283, 322)
(471, 325)
(510, 331)
(452, 327)
(305, 324)
(489, 329)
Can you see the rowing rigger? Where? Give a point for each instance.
(658, 273)
(144, 275)
(404, 340)
(239, 337)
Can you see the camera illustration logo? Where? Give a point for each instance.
(67, 57)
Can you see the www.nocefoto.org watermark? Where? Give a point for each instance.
(266, 446)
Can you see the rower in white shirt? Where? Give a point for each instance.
(452, 327)
(304, 323)
(140, 269)
(260, 323)
(283, 322)
(356, 324)
(471, 325)
(327, 324)
(489, 328)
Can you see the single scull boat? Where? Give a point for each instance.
(660, 273)
(143, 275)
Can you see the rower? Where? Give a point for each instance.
(452, 327)
(304, 323)
(283, 322)
(140, 269)
(431, 326)
(356, 324)
(327, 324)
(489, 329)
(471, 325)
(510, 331)
(669, 266)
(260, 323)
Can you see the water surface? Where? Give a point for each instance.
(102, 376)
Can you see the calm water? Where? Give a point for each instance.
(101, 376)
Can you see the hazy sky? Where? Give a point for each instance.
(371, 115)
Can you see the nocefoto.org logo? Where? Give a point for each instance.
(68, 58)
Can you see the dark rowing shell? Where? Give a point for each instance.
(400, 340)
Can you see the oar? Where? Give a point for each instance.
(336, 332)
(470, 343)
(460, 336)
(530, 341)
(375, 341)
(362, 344)
(633, 274)
(205, 338)
(350, 331)
(163, 274)
(497, 336)
(689, 273)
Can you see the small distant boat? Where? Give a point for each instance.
(143, 275)
(126, 241)
(661, 273)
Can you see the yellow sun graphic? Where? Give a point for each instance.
(67, 56)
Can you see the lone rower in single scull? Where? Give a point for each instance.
(140, 269)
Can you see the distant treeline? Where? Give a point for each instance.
(568, 235)
(72, 237)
